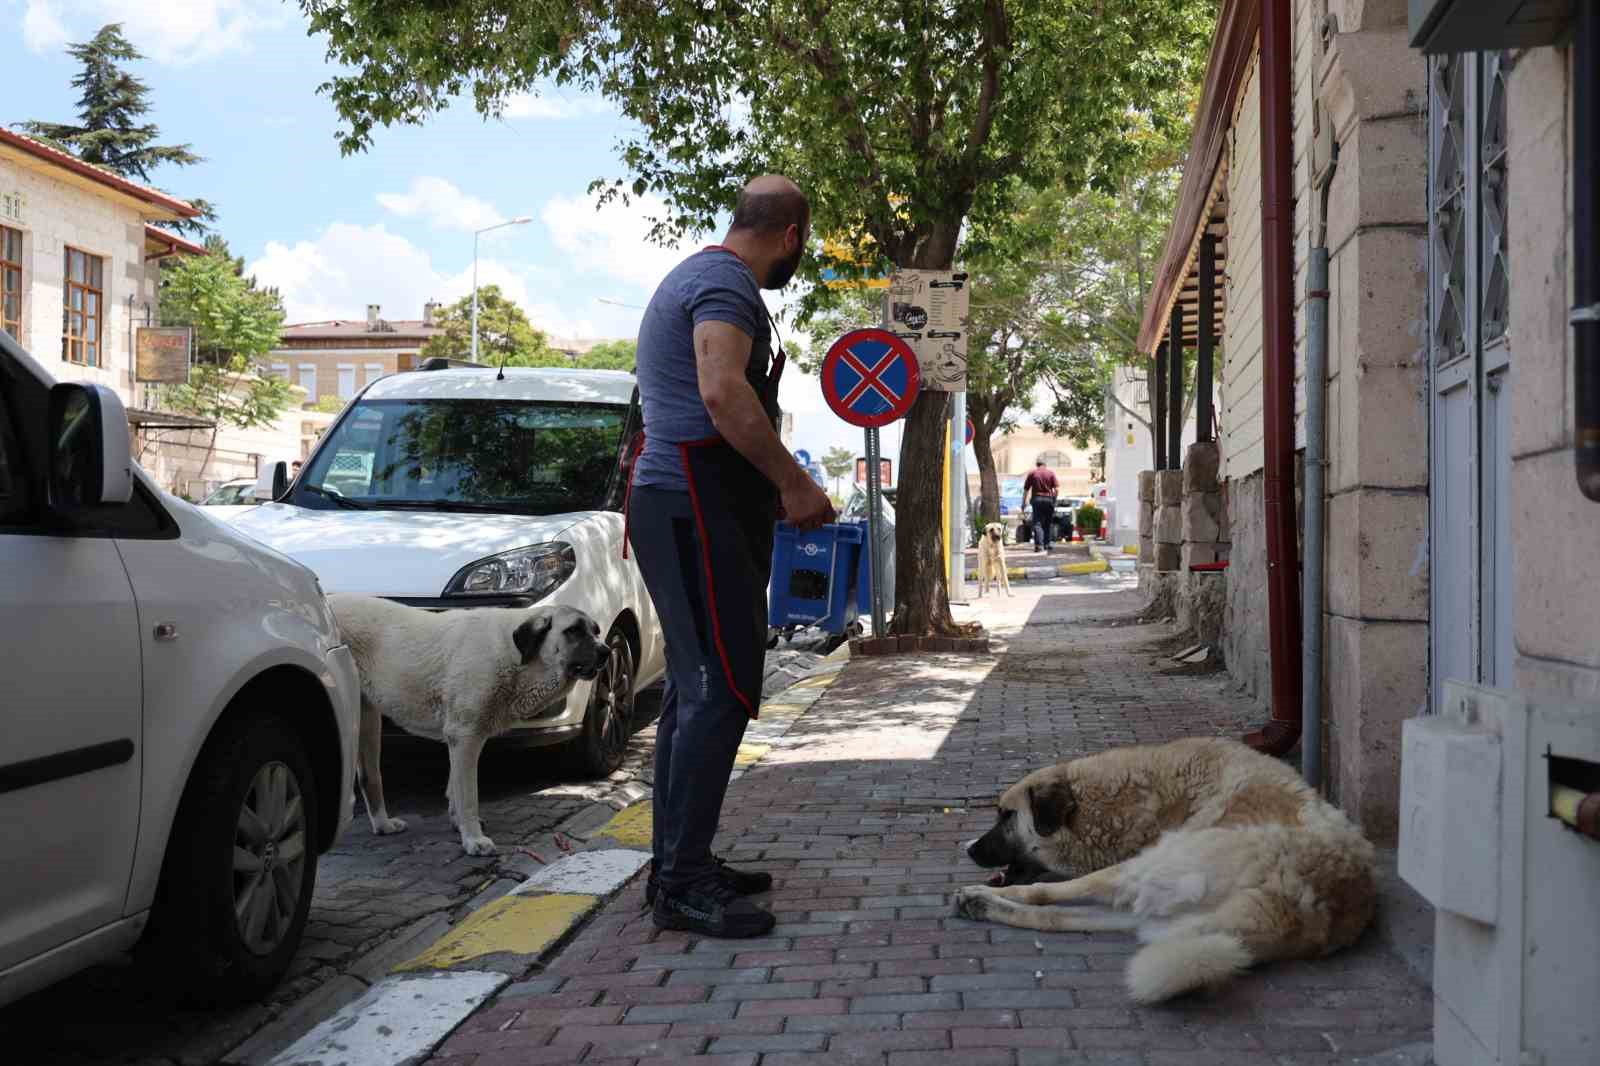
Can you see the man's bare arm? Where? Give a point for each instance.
(722, 355)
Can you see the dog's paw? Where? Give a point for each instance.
(477, 845)
(385, 826)
(972, 902)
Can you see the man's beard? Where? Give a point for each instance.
(782, 271)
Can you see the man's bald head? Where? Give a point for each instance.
(771, 204)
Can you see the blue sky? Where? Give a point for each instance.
(237, 80)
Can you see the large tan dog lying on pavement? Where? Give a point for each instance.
(460, 677)
(992, 559)
(1217, 856)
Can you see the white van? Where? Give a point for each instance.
(457, 486)
(178, 714)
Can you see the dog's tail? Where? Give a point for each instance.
(1168, 968)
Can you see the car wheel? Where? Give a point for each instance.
(241, 865)
(608, 721)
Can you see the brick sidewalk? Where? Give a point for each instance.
(858, 815)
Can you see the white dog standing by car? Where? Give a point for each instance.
(460, 677)
(992, 559)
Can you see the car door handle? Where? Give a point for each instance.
(166, 631)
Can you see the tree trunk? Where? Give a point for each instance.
(988, 478)
(921, 590)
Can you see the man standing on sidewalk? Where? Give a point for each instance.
(707, 490)
(1042, 486)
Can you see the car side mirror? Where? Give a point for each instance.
(272, 481)
(90, 460)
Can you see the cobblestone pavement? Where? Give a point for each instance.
(858, 814)
(372, 892)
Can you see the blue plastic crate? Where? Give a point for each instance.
(864, 578)
(814, 576)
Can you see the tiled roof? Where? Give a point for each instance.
(174, 242)
(68, 161)
(345, 328)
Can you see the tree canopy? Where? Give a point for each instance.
(506, 336)
(504, 333)
(903, 122)
(111, 130)
(235, 324)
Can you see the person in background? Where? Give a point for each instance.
(1041, 487)
(708, 487)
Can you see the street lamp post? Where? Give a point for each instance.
(519, 220)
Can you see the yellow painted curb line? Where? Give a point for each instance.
(522, 925)
(528, 925)
(1094, 567)
(631, 827)
(750, 753)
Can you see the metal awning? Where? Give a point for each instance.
(145, 419)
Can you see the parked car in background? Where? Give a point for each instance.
(179, 720)
(232, 493)
(460, 487)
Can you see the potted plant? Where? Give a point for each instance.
(1089, 520)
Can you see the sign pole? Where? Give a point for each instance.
(870, 378)
(873, 525)
(955, 533)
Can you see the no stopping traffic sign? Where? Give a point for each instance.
(870, 378)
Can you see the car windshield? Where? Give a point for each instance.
(229, 494)
(519, 456)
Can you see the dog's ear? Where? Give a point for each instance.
(1052, 805)
(529, 635)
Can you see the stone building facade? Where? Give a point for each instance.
(1449, 367)
(1353, 83)
(80, 254)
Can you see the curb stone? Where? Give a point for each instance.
(436, 982)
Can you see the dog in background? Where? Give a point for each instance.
(992, 559)
(460, 677)
(1217, 856)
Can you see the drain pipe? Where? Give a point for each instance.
(1316, 480)
(1586, 260)
(1280, 734)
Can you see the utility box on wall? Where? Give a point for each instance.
(1516, 965)
(1439, 26)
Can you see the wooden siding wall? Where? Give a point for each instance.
(1239, 393)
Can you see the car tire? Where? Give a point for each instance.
(608, 720)
(240, 867)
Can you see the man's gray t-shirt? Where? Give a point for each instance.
(713, 285)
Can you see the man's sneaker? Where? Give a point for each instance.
(711, 908)
(744, 882)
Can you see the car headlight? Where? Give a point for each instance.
(534, 571)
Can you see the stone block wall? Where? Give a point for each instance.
(1147, 519)
(1203, 519)
(1557, 614)
(1202, 597)
(1373, 88)
(1168, 519)
(1244, 626)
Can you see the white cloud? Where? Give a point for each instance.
(42, 30)
(442, 204)
(167, 31)
(346, 266)
(613, 240)
(549, 105)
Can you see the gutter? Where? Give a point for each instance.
(1282, 731)
(1316, 478)
(1586, 240)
